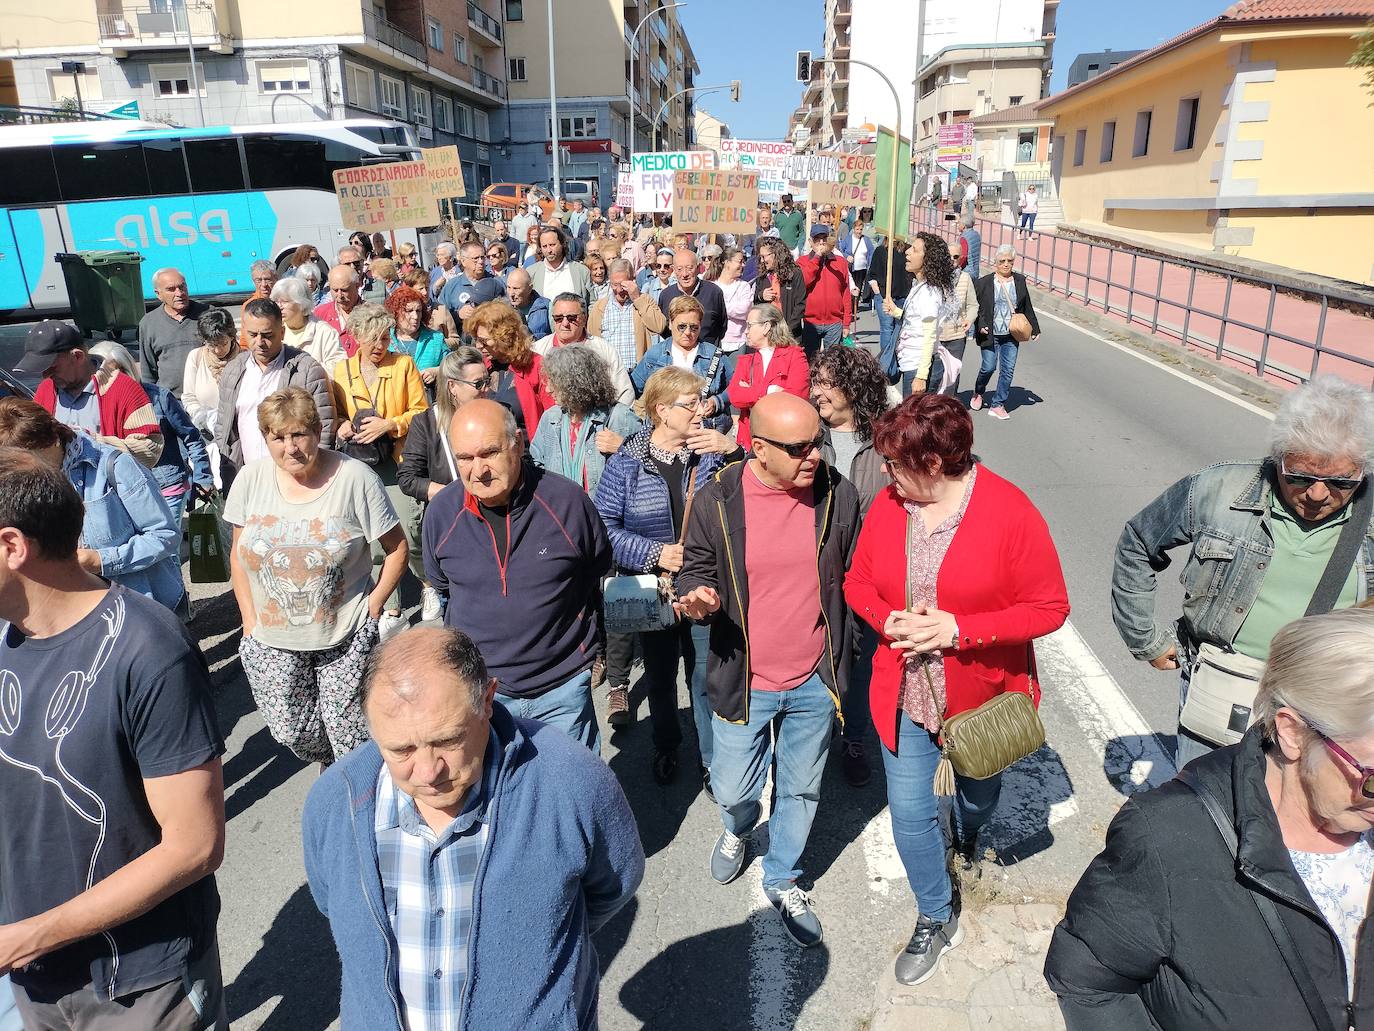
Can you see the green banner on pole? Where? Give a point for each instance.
(894, 185)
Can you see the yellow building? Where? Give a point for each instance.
(1248, 135)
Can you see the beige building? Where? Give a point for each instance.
(709, 130)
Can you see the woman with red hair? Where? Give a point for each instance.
(956, 571)
(412, 335)
(517, 376)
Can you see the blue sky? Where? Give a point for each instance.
(756, 42)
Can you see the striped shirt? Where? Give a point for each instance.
(428, 883)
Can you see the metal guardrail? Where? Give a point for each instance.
(17, 115)
(387, 34)
(1073, 268)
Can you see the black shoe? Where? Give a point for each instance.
(918, 961)
(854, 764)
(665, 767)
(706, 785)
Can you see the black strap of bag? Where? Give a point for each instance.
(1343, 554)
(1283, 941)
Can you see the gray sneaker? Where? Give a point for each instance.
(930, 941)
(794, 906)
(727, 858)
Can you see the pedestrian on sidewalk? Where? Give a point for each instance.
(767, 545)
(1003, 299)
(957, 573)
(1268, 543)
(464, 857)
(111, 780)
(1236, 895)
(1029, 203)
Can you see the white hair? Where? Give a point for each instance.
(117, 354)
(262, 265)
(1328, 417)
(163, 271)
(293, 290)
(445, 248)
(1323, 667)
(310, 275)
(1006, 251)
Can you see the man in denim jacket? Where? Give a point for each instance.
(1261, 533)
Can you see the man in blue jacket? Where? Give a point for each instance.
(520, 553)
(464, 857)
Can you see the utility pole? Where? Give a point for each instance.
(920, 60)
(634, 48)
(553, 114)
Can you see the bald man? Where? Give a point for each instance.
(520, 553)
(344, 296)
(687, 280)
(768, 543)
(456, 809)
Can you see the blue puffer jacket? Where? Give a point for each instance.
(634, 503)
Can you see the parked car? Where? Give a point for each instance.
(502, 200)
(11, 387)
(585, 190)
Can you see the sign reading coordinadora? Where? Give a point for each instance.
(396, 195)
(445, 170)
(766, 157)
(652, 175)
(709, 201)
(856, 186)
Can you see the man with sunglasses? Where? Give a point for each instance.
(768, 542)
(1270, 540)
(657, 274)
(568, 313)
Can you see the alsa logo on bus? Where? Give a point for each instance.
(213, 227)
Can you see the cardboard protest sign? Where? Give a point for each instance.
(766, 157)
(445, 170)
(625, 190)
(818, 168)
(709, 201)
(652, 175)
(396, 195)
(858, 179)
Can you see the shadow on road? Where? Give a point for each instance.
(297, 964)
(843, 811)
(1138, 762)
(1022, 824)
(659, 810)
(274, 766)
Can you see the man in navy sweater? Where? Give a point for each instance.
(520, 553)
(686, 281)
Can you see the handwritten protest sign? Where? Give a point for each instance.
(818, 168)
(390, 196)
(625, 190)
(857, 183)
(766, 157)
(652, 175)
(707, 201)
(445, 170)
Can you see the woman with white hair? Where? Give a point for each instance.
(314, 282)
(1271, 539)
(1236, 895)
(304, 330)
(1004, 302)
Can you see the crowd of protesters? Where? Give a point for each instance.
(588, 407)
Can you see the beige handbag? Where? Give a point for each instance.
(1221, 694)
(1020, 328)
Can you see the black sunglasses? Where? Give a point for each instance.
(798, 449)
(565, 318)
(1304, 481)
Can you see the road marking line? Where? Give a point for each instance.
(1163, 367)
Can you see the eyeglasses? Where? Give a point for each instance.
(355, 264)
(1365, 772)
(694, 406)
(663, 268)
(496, 256)
(566, 318)
(799, 449)
(1304, 481)
(475, 384)
(688, 327)
(758, 323)
(1006, 261)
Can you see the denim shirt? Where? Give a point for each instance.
(1223, 513)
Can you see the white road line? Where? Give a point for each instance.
(1256, 409)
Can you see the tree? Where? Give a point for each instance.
(1363, 57)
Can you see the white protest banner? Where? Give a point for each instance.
(816, 168)
(395, 195)
(625, 190)
(766, 157)
(709, 201)
(857, 185)
(652, 175)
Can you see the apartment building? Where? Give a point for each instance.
(616, 63)
(438, 65)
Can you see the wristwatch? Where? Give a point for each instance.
(954, 644)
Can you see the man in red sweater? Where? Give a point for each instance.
(829, 310)
(112, 407)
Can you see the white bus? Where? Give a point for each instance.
(208, 201)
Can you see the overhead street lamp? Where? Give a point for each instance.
(634, 49)
(733, 87)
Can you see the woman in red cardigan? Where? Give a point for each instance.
(976, 560)
(770, 363)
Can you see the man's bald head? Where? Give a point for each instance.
(519, 287)
(685, 268)
(780, 422)
(784, 417)
(488, 450)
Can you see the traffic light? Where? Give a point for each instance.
(803, 66)
(734, 91)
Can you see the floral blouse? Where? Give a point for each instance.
(1339, 884)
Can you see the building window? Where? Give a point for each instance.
(1014, 101)
(284, 76)
(435, 33)
(1108, 142)
(419, 101)
(61, 87)
(1080, 144)
(393, 97)
(575, 127)
(174, 80)
(478, 61)
(1141, 147)
(516, 71)
(515, 10)
(360, 87)
(481, 125)
(460, 47)
(1185, 134)
(1025, 146)
(463, 120)
(443, 114)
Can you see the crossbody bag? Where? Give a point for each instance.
(378, 451)
(1222, 683)
(634, 603)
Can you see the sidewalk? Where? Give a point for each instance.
(992, 980)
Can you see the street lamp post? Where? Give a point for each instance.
(553, 114)
(634, 48)
(191, 53)
(733, 87)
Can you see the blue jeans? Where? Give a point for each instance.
(9, 1013)
(858, 712)
(1028, 221)
(816, 335)
(568, 707)
(888, 327)
(1000, 353)
(916, 824)
(743, 752)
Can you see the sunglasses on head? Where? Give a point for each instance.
(1304, 481)
(1366, 772)
(797, 449)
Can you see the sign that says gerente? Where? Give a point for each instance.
(652, 175)
(715, 202)
(396, 195)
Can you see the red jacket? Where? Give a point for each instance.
(786, 369)
(827, 290)
(533, 393)
(1000, 579)
(329, 312)
(124, 408)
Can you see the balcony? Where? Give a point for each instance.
(488, 86)
(812, 91)
(630, 40)
(484, 25)
(843, 11)
(392, 40)
(125, 28)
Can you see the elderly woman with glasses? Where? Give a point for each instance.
(772, 362)
(1002, 295)
(517, 379)
(683, 349)
(427, 463)
(957, 573)
(1237, 894)
(413, 335)
(302, 328)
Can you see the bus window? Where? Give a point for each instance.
(166, 166)
(282, 162)
(29, 176)
(214, 164)
(91, 171)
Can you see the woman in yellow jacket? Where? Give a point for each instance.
(376, 395)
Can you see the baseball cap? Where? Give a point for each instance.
(819, 230)
(45, 343)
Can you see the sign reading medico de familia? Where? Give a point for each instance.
(652, 175)
(396, 195)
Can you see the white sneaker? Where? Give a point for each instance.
(390, 624)
(431, 605)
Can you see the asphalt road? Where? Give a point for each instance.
(1095, 433)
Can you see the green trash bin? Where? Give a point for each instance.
(105, 289)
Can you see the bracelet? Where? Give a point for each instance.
(954, 644)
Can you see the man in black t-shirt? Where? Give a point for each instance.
(111, 792)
